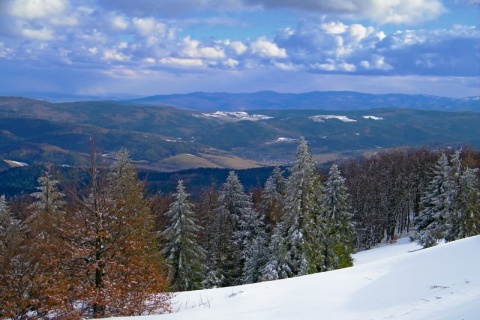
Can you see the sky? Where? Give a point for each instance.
(148, 47)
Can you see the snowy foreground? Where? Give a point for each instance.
(392, 281)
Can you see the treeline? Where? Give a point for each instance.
(390, 190)
(108, 248)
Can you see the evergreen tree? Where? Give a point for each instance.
(255, 246)
(299, 228)
(463, 215)
(207, 210)
(469, 199)
(272, 198)
(338, 235)
(231, 231)
(277, 264)
(182, 250)
(430, 225)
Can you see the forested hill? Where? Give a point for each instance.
(328, 100)
(172, 139)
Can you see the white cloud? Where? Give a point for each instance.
(376, 63)
(332, 65)
(238, 46)
(180, 62)
(114, 55)
(169, 8)
(267, 49)
(36, 9)
(149, 26)
(383, 11)
(119, 22)
(194, 49)
(42, 34)
(334, 27)
(4, 52)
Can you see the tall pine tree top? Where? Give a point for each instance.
(182, 250)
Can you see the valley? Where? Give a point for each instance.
(172, 138)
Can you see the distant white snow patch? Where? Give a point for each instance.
(373, 117)
(236, 116)
(16, 163)
(285, 139)
(322, 118)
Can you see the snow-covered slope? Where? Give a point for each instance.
(393, 281)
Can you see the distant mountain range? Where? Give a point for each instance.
(216, 130)
(329, 100)
(333, 100)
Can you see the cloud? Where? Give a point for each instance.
(453, 52)
(35, 9)
(168, 8)
(132, 40)
(267, 49)
(384, 11)
(322, 45)
(326, 45)
(468, 2)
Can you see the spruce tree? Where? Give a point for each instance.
(430, 225)
(272, 198)
(299, 228)
(338, 234)
(469, 199)
(255, 241)
(182, 250)
(231, 227)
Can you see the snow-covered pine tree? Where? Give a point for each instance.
(206, 208)
(182, 250)
(255, 244)
(454, 213)
(272, 197)
(277, 263)
(469, 204)
(463, 217)
(430, 225)
(339, 233)
(299, 227)
(271, 206)
(230, 226)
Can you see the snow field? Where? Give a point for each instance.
(392, 281)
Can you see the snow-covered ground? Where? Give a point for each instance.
(322, 118)
(236, 116)
(373, 117)
(392, 281)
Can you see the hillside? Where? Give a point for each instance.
(323, 100)
(169, 139)
(393, 281)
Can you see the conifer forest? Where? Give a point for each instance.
(103, 246)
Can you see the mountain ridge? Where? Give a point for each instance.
(34, 131)
(326, 100)
(227, 101)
